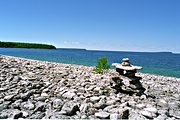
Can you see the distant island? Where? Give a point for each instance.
(25, 45)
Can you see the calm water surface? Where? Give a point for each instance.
(167, 64)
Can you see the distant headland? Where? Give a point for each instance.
(71, 49)
(25, 45)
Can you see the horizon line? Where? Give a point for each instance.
(120, 50)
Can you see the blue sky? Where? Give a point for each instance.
(123, 25)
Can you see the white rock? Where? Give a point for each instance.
(69, 95)
(2, 89)
(152, 109)
(45, 90)
(162, 103)
(28, 106)
(70, 108)
(114, 116)
(135, 116)
(140, 106)
(8, 97)
(90, 88)
(143, 97)
(83, 117)
(146, 114)
(94, 99)
(161, 117)
(102, 115)
(97, 89)
(84, 107)
(57, 103)
(123, 104)
(44, 95)
(25, 114)
(111, 102)
(132, 103)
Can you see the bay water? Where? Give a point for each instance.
(161, 63)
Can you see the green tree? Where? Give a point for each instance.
(102, 64)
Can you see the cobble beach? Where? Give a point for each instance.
(35, 89)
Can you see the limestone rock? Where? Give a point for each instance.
(136, 116)
(114, 116)
(28, 105)
(8, 97)
(68, 95)
(175, 113)
(151, 109)
(4, 105)
(162, 103)
(57, 104)
(94, 99)
(140, 106)
(45, 90)
(102, 115)
(37, 115)
(45, 95)
(70, 108)
(147, 114)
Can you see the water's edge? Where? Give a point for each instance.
(139, 73)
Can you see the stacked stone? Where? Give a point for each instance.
(127, 82)
(125, 62)
(125, 68)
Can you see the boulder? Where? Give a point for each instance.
(36, 115)
(68, 95)
(70, 108)
(147, 114)
(114, 116)
(102, 115)
(4, 105)
(9, 97)
(134, 115)
(151, 109)
(27, 105)
(57, 104)
(94, 99)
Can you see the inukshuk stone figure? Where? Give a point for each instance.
(127, 82)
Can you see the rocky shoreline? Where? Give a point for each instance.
(34, 89)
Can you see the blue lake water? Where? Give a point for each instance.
(167, 64)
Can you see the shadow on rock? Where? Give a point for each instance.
(128, 85)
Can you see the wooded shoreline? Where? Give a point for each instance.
(25, 45)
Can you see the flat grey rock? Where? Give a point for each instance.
(36, 115)
(57, 104)
(68, 95)
(70, 108)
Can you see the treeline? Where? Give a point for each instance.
(25, 45)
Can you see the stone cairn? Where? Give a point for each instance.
(127, 81)
(125, 68)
